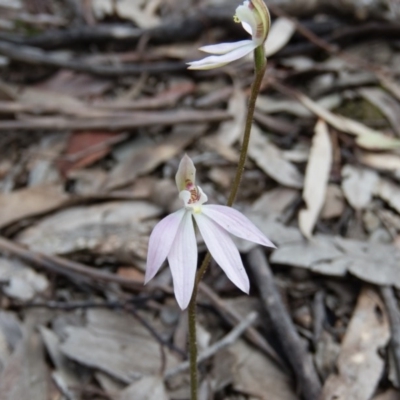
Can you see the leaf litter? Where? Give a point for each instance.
(97, 109)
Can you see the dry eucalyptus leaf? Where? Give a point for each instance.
(229, 131)
(271, 160)
(23, 282)
(358, 185)
(257, 375)
(26, 375)
(146, 388)
(382, 161)
(275, 201)
(65, 374)
(10, 335)
(388, 106)
(390, 192)
(316, 178)
(336, 256)
(334, 202)
(118, 228)
(359, 365)
(24, 203)
(151, 155)
(116, 343)
(366, 137)
(133, 10)
(272, 105)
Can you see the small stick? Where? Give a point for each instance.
(117, 123)
(292, 345)
(71, 269)
(232, 317)
(227, 340)
(394, 319)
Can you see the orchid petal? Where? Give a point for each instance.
(219, 61)
(160, 242)
(223, 48)
(247, 27)
(223, 250)
(247, 17)
(183, 261)
(236, 223)
(186, 174)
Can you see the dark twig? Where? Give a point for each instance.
(71, 269)
(294, 348)
(135, 120)
(394, 319)
(232, 317)
(36, 56)
(180, 29)
(156, 336)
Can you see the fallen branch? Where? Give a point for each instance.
(135, 120)
(292, 345)
(36, 56)
(71, 269)
(227, 340)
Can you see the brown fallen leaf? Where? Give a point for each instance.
(85, 148)
(36, 200)
(316, 178)
(151, 155)
(75, 84)
(359, 365)
(271, 160)
(131, 273)
(334, 202)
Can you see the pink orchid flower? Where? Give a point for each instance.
(174, 237)
(255, 19)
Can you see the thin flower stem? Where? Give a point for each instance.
(260, 66)
(193, 346)
(192, 328)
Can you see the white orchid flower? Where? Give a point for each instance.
(174, 237)
(255, 19)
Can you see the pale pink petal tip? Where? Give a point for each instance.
(182, 260)
(224, 251)
(236, 223)
(160, 242)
